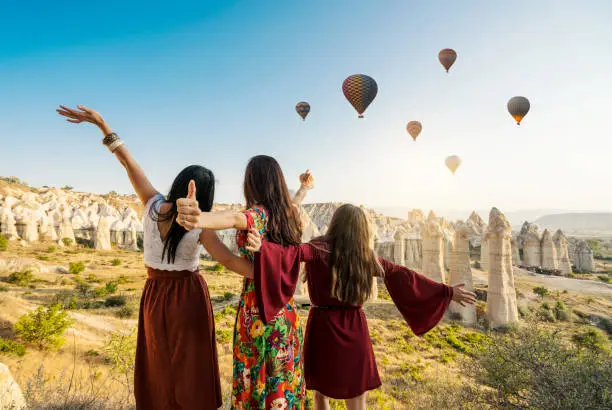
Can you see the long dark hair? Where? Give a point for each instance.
(205, 194)
(353, 260)
(264, 184)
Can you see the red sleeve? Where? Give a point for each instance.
(307, 252)
(277, 271)
(421, 301)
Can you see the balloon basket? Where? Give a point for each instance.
(360, 116)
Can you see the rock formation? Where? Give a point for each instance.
(461, 272)
(583, 257)
(560, 240)
(102, 240)
(433, 251)
(516, 257)
(65, 230)
(532, 251)
(549, 252)
(476, 227)
(484, 252)
(501, 295)
(11, 397)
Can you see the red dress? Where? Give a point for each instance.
(338, 356)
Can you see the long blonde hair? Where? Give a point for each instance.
(353, 260)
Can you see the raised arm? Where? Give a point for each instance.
(306, 184)
(139, 180)
(225, 257)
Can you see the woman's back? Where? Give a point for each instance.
(187, 252)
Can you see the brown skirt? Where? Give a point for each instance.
(176, 354)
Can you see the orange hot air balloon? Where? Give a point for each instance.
(414, 128)
(453, 163)
(518, 107)
(447, 58)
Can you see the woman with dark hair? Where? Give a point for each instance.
(176, 354)
(268, 364)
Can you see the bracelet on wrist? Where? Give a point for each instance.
(112, 141)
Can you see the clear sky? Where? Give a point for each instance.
(216, 82)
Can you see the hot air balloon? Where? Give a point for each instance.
(453, 163)
(518, 107)
(302, 108)
(360, 90)
(414, 129)
(447, 58)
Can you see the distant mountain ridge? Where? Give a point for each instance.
(578, 222)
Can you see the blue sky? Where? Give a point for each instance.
(215, 82)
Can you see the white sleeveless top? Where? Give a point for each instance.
(187, 252)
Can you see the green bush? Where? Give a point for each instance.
(120, 349)
(111, 287)
(67, 241)
(122, 280)
(538, 370)
(100, 292)
(116, 262)
(125, 312)
(43, 327)
(21, 278)
(84, 289)
(3, 243)
(604, 278)
(562, 312)
(51, 249)
(224, 336)
(115, 301)
(11, 347)
(592, 339)
(3, 288)
(76, 267)
(217, 268)
(541, 291)
(67, 300)
(42, 257)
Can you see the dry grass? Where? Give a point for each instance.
(417, 372)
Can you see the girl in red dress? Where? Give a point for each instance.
(340, 269)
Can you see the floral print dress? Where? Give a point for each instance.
(268, 362)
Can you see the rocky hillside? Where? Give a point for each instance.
(579, 223)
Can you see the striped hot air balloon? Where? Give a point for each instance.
(414, 129)
(302, 108)
(518, 107)
(447, 58)
(360, 90)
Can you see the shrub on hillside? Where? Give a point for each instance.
(116, 262)
(11, 347)
(562, 312)
(120, 348)
(76, 267)
(21, 278)
(536, 369)
(115, 301)
(111, 287)
(43, 327)
(541, 291)
(3, 243)
(592, 339)
(125, 312)
(67, 241)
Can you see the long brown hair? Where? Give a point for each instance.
(352, 259)
(264, 185)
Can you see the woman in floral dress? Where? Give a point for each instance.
(268, 361)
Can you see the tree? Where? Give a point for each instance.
(541, 291)
(43, 327)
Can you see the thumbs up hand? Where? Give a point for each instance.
(189, 210)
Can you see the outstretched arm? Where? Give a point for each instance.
(139, 180)
(191, 217)
(225, 257)
(306, 184)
